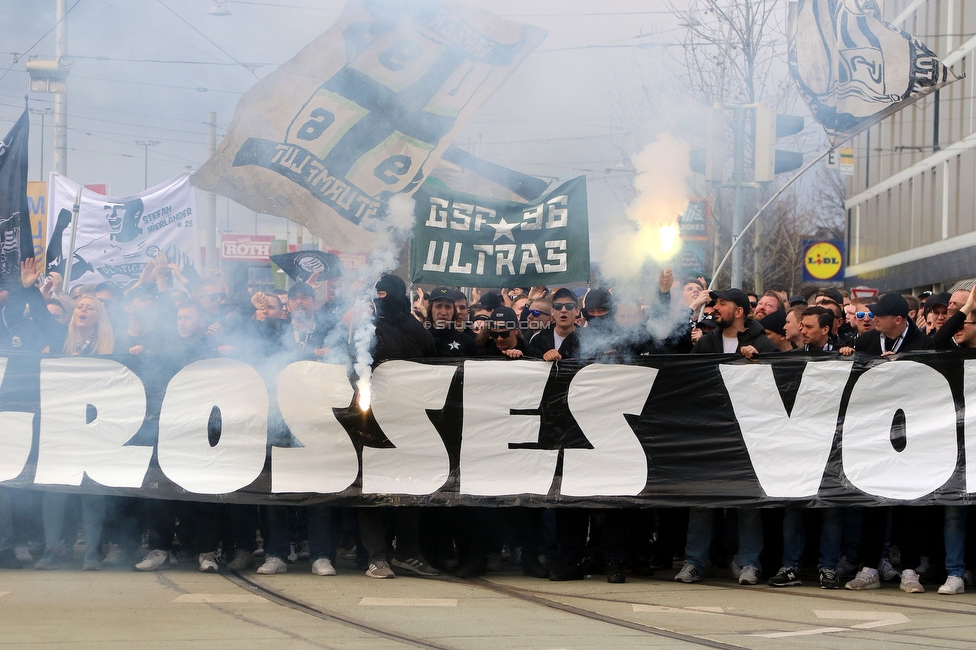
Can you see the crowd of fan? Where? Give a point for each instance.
(856, 547)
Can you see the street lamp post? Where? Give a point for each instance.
(43, 112)
(145, 144)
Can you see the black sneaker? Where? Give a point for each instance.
(615, 573)
(786, 577)
(565, 572)
(828, 579)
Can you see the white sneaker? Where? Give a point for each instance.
(749, 575)
(953, 585)
(155, 560)
(272, 566)
(910, 583)
(292, 553)
(865, 579)
(886, 570)
(735, 568)
(114, 555)
(208, 562)
(323, 567)
(689, 573)
(23, 555)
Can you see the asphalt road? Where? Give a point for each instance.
(184, 608)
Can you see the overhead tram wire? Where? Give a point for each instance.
(154, 27)
(209, 40)
(28, 50)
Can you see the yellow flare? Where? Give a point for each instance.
(365, 393)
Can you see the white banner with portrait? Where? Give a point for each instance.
(117, 236)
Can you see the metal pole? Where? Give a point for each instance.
(75, 209)
(145, 144)
(41, 176)
(61, 99)
(737, 216)
(775, 196)
(210, 217)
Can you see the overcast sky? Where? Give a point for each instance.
(152, 69)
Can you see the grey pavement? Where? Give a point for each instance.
(184, 608)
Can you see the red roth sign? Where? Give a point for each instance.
(246, 248)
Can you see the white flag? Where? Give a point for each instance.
(118, 236)
(363, 112)
(853, 69)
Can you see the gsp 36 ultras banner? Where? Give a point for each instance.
(671, 431)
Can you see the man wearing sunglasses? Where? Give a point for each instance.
(538, 316)
(561, 341)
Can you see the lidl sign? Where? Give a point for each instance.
(823, 260)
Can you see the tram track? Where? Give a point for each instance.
(532, 595)
(553, 601)
(291, 602)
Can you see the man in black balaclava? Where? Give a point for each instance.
(398, 336)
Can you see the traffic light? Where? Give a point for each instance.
(770, 127)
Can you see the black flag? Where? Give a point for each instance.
(301, 265)
(16, 241)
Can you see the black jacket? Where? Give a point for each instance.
(401, 336)
(754, 335)
(943, 338)
(545, 340)
(452, 343)
(870, 341)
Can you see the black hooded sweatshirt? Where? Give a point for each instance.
(398, 334)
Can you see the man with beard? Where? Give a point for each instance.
(736, 334)
(441, 323)
(306, 335)
(398, 336)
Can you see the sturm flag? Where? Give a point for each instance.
(301, 265)
(118, 236)
(363, 113)
(16, 241)
(853, 69)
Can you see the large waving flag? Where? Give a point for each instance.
(16, 241)
(853, 69)
(363, 112)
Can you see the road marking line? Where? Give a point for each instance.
(219, 598)
(659, 609)
(819, 630)
(874, 619)
(408, 602)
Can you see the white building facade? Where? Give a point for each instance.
(912, 200)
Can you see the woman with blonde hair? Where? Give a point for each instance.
(89, 334)
(89, 330)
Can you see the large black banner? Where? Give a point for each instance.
(669, 431)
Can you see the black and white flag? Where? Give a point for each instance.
(15, 229)
(853, 69)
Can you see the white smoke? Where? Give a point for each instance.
(399, 227)
(662, 196)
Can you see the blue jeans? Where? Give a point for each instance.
(6, 520)
(840, 534)
(955, 540)
(320, 541)
(794, 536)
(92, 517)
(701, 529)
